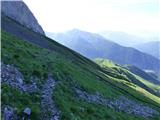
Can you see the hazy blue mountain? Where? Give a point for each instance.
(93, 45)
(122, 38)
(152, 48)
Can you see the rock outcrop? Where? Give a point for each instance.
(14, 78)
(8, 113)
(121, 103)
(18, 11)
(50, 111)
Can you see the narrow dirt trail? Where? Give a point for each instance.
(50, 112)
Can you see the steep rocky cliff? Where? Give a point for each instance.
(18, 11)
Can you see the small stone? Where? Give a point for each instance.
(27, 111)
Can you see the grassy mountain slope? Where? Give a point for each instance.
(37, 55)
(122, 71)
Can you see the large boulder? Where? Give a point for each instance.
(19, 11)
(11, 75)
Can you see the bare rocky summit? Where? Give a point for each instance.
(18, 11)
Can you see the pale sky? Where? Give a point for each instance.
(131, 16)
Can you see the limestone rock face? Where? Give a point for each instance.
(18, 11)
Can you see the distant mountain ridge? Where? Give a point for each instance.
(152, 48)
(149, 45)
(93, 45)
(121, 38)
(19, 12)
